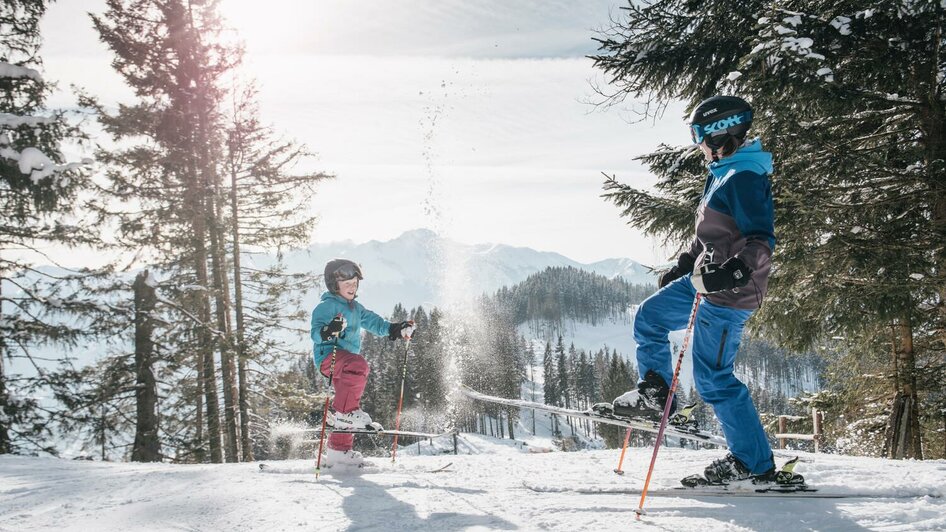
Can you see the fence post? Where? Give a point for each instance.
(782, 425)
(816, 422)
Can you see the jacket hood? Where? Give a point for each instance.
(750, 157)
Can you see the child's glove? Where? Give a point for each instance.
(334, 328)
(404, 329)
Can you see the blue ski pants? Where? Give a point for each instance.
(716, 337)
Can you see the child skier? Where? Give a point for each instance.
(337, 322)
(728, 261)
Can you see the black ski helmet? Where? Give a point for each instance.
(340, 270)
(722, 121)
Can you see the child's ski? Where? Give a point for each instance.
(639, 424)
(370, 432)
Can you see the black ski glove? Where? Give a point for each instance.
(334, 328)
(714, 277)
(684, 266)
(404, 329)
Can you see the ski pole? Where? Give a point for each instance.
(666, 414)
(331, 371)
(627, 438)
(400, 401)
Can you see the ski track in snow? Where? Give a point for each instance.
(486, 491)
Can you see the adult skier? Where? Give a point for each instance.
(337, 323)
(729, 261)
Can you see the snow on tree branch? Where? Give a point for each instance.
(12, 71)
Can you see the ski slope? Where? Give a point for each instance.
(491, 485)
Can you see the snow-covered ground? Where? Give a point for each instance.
(502, 486)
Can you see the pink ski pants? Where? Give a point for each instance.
(349, 379)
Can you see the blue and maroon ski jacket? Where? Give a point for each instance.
(737, 216)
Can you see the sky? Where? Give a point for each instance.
(474, 119)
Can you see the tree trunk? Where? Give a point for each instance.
(147, 446)
(5, 445)
(532, 378)
(240, 338)
(903, 428)
(222, 306)
(210, 373)
(201, 301)
(512, 435)
(199, 453)
(197, 194)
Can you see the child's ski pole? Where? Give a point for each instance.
(400, 400)
(331, 372)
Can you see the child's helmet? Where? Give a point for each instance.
(340, 270)
(721, 121)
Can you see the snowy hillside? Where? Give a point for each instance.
(491, 485)
(618, 334)
(412, 268)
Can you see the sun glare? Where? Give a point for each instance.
(271, 26)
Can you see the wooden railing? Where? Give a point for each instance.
(816, 420)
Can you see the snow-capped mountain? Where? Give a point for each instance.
(416, 267)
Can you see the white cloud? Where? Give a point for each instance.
(474, 109)
(483, 29)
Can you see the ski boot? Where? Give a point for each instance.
(721, 472)
(344, 459)
(354, 420)
(646, 402)
(730, 469)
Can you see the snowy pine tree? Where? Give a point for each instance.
(39, 193)
(207, 188)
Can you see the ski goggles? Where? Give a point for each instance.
(700, 131)
(347, 271)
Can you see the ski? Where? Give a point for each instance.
(638, 424)
(440, 469)
(369, 467)
(365, 467)
(426, 435)
(716, 491)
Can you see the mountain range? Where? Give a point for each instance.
(422, 268)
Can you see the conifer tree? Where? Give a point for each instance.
(39, 306)
(562, 386)
(267, 208)
(550, 389)
(616, 382)
(164, 194)
(530, 362)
